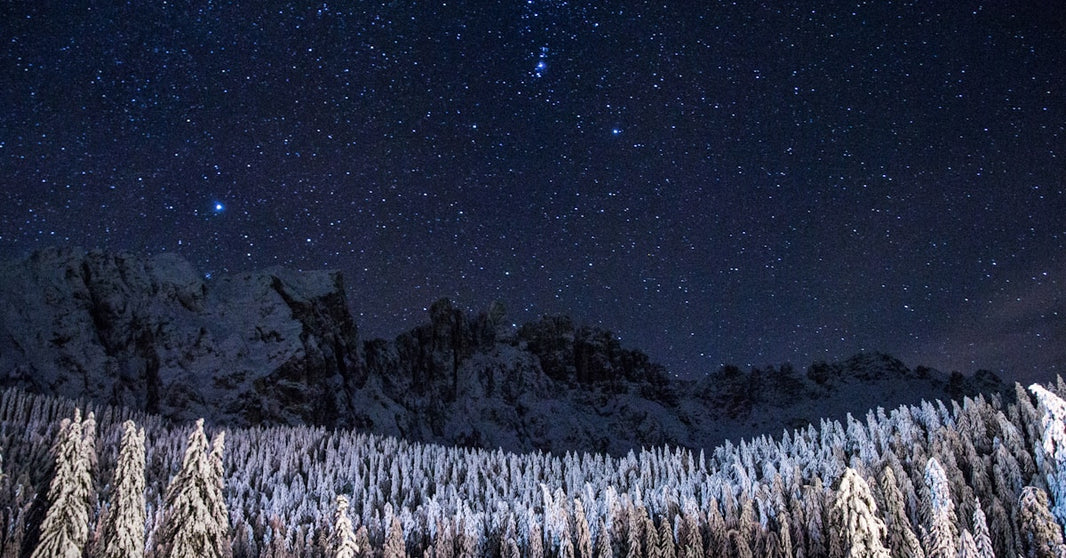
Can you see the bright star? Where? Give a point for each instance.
(218, 207)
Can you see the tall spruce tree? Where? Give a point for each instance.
(1043, 534)
(395, 547)
(981, 536)
(856, 525)
(65, 528)
(195, 523)
(342, 544)
(967, 546)
(1051, 448)
(942, 533)
(583, 544)
(900, 539)
(124, 529)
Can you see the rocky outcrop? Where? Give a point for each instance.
(281, 347)
(266, 348)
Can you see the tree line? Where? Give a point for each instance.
(981, 477)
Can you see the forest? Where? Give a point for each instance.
(980, 477)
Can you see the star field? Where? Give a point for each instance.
(715, 183)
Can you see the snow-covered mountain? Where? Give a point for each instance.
(281, 347)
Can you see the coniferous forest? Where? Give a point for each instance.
(979, 477)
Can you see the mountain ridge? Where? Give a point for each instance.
(281, 347)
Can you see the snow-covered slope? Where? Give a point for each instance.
(281, 347)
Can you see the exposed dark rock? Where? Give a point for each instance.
(274, 347)
(281, 347)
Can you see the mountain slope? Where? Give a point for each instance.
(281, 347)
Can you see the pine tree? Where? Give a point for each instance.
(444, 545)
(583, 548)
(814, 505)
(666, 539)
(534, 537)
(124, 529)
(856, 524)
(509, 549)
(716, 533)
(395, 547)
(566, 544)
(652, 547)
(942, 533)
(689, 539)
(900, 538)
(218, 479)
(1043, 533)
(1051, 451)
(1005, 538)
(342, 544)
(195, 523)
(634, 534)
(967, 546)
(65, 528)
(362, 540)
(603, 543)
(738, 544)
(981, 536)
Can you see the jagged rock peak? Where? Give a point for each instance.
(280, 347)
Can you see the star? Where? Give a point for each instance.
(777, 182)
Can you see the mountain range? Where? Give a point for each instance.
(281, 347)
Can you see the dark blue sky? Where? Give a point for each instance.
(713, 182)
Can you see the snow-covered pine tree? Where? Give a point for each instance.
(444, 542)
(536, 537)
(967, 546)
(738, 544)
(689, 539)
(1024, 414)
(342, 542)
(942, 532)
(1042, 533)
(194, 503)
(652, 547)
(395, 547)
(566, 544)
(981, 536)
(216, 500)
(124, 529)
(900, 538)
(797, 525)
(666, 539)
(782, 535)
(634, 533)
(509, 549)
(716, 532)
(856, 526)
(814, 504)
(1007, 477)
(1005, 538)
(278, 545)
(583, 542)
(362, 540)
(603, 543)
(65, 528)
(1051, 449)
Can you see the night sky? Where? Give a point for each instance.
(714, 182)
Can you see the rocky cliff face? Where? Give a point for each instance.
(269, 347)
(281, 347)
